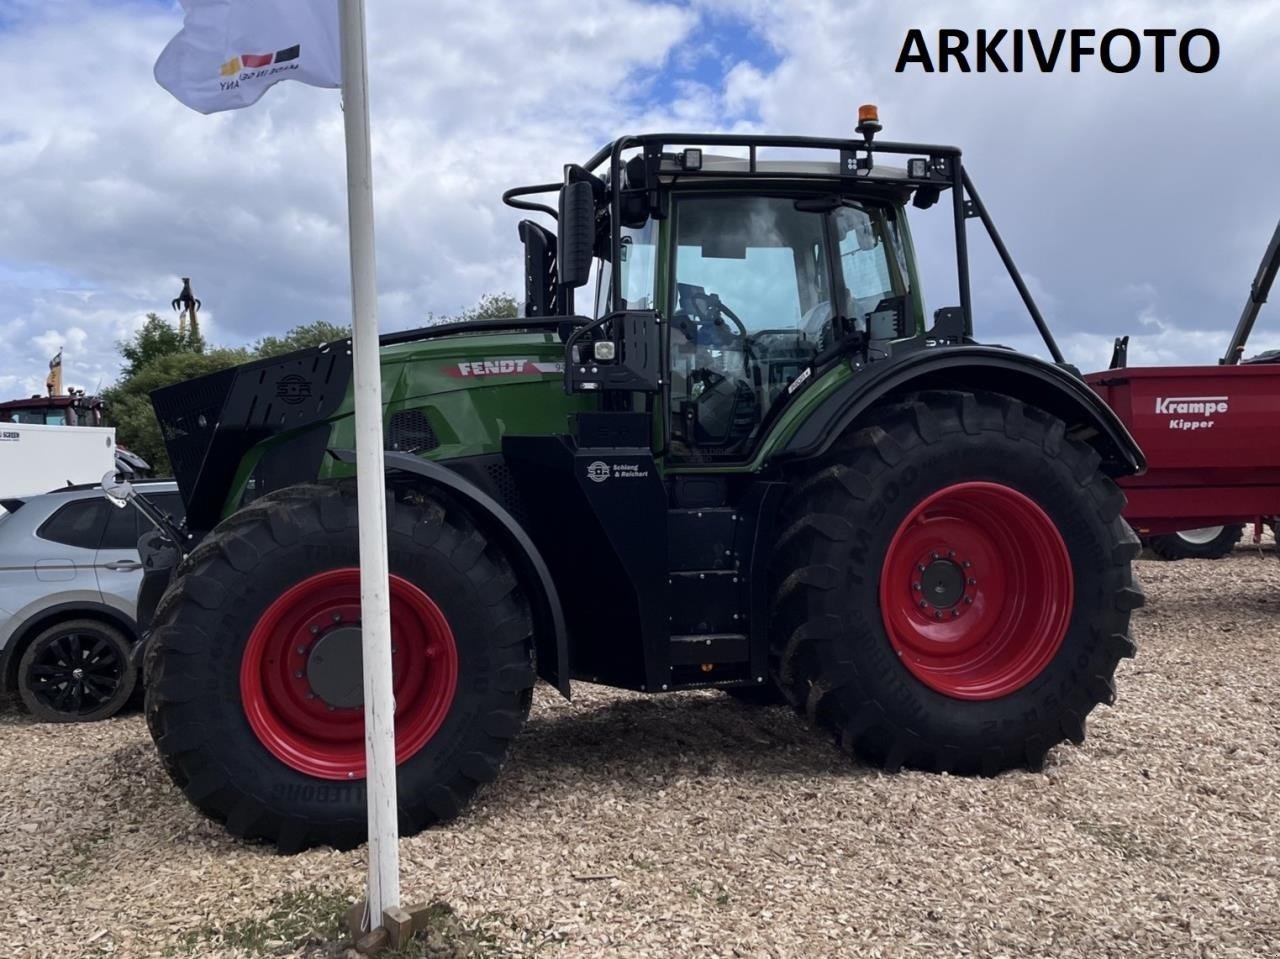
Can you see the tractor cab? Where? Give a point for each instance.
(761, 289)
(72, 409)
(715, 288)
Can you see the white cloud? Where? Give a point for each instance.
(1108, 190)
(1115, 194)
(119, 190)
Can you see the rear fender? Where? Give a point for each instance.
(975, 369)
(550, 635)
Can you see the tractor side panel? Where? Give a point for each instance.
(470, 421)
(599, 518)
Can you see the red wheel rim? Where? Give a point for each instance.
(976, 591)
(295, 724)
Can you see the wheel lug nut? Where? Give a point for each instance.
(937, 614)
(951, 554)
(311, 695)
(297, 675)
(315, 630)
(337, 617)
(916, 586)
(967, 564)
(935, 555)
(302, 650)
(972, 581)
(923, 604)
(968, 600)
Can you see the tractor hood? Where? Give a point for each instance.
(466, 361)
(462, 386)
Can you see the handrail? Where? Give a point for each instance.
(513, 323)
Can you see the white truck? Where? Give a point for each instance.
(36, 459)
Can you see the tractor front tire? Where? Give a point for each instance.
(254, 689)
(952, 587)
(1212, 542)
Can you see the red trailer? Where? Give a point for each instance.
(1210, 434)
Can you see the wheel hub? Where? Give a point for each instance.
(335, 668)
(301, 682)
(976, 591)
(942, 584)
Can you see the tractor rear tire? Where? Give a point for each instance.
(952, 587)
(1198, 543)
(253, 673)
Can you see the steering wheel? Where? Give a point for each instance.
(706, 314)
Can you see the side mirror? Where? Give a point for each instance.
(577, 232)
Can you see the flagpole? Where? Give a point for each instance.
(375, 609)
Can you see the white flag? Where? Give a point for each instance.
(230, 51)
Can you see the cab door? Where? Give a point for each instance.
(751, 312)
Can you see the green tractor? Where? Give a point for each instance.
(751, 463)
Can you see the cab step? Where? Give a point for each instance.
(712, 648)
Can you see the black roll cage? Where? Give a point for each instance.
(943, 169)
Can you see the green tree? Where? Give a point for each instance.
(491, 306)
(157, 338)
(129, 401)
(301, 337)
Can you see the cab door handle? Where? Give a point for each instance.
(124, 565)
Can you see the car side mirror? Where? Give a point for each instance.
(577, 232)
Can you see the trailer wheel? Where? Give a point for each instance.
(953, 587)
(255, 696)
(1211, 542)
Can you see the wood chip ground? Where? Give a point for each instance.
(691, 825)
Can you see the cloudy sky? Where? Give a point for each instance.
(1134, 204)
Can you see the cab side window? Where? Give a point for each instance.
(873, 267)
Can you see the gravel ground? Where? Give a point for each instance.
(691, 825)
